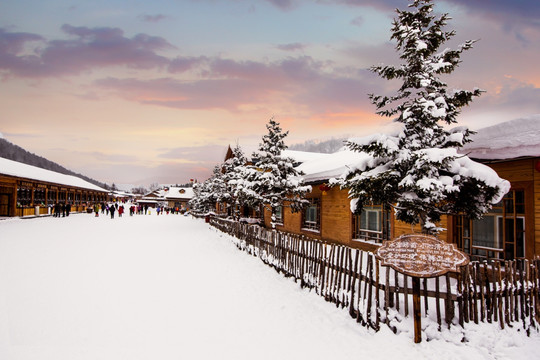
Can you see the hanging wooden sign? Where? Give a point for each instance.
(420, 256)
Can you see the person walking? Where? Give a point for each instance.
(120, 210)
(68, 208)
(112, 210)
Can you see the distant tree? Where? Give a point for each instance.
(154, 187)
(140, 190)
(273, 180)
(418, 170)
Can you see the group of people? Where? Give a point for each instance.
(109, 209)
(61, 209)
(139, 209)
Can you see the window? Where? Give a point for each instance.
(372, 224)
(51, 197)
(311, 217)
(24, 197)
(278, 215)
(39, 196)
(500, 234)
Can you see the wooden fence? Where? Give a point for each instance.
(503, 293)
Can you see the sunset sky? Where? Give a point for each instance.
(137, 92)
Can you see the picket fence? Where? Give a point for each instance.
(504, 293)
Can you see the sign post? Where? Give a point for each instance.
(420, 256)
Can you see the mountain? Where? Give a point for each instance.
(318, 146)
(16, 153)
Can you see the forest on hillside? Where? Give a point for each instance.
(14, 152)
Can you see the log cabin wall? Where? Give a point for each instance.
(49, 194)
(336, 224)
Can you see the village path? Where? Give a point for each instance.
(170, 287)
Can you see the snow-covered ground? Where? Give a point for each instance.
(172, 287)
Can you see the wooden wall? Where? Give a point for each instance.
(336, 217)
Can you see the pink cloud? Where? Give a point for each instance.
(229, 84)
(90, 48)
(153, 18)
(291, 47)
(182, 64)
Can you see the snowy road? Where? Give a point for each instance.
(170, 287)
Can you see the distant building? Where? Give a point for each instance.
(28, 190)
(170, 196)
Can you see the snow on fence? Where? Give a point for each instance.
(503, 293)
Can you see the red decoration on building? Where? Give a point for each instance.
(324, 188)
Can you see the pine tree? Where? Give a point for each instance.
(418, 170)
(273, 180)
(234, 172)
(206, 194)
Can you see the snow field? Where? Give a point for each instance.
(169, 287)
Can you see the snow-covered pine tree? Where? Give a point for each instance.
(418, 170)
(273, 180)
(234, 172)
(209, 192)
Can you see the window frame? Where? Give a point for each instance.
(312, 225)
(512, 245)
(384, 224)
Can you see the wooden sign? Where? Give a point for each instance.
(421, 256)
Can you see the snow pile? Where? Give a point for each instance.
(507, 140)
(138, 288)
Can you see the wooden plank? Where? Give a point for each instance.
(425, 288)
(437, 303)
(370, 290)
(360, 316)
(348, 293)
(465, 291)
(475, 292)
(406, 294)
(460, 299)
(488, 302)
(387, 295)
(397, 291)
(449, 311)
(377, 287)
(416, 311)
(355, 272)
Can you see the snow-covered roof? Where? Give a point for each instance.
(121, 193)
(303, 156)
(172, 192)
(17, 169)
(179, 193)
(327, 166)
(508, 140)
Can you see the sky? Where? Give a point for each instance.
(139, 92)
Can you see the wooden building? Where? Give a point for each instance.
(28, 190)
(169, 196)
(511, 230)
